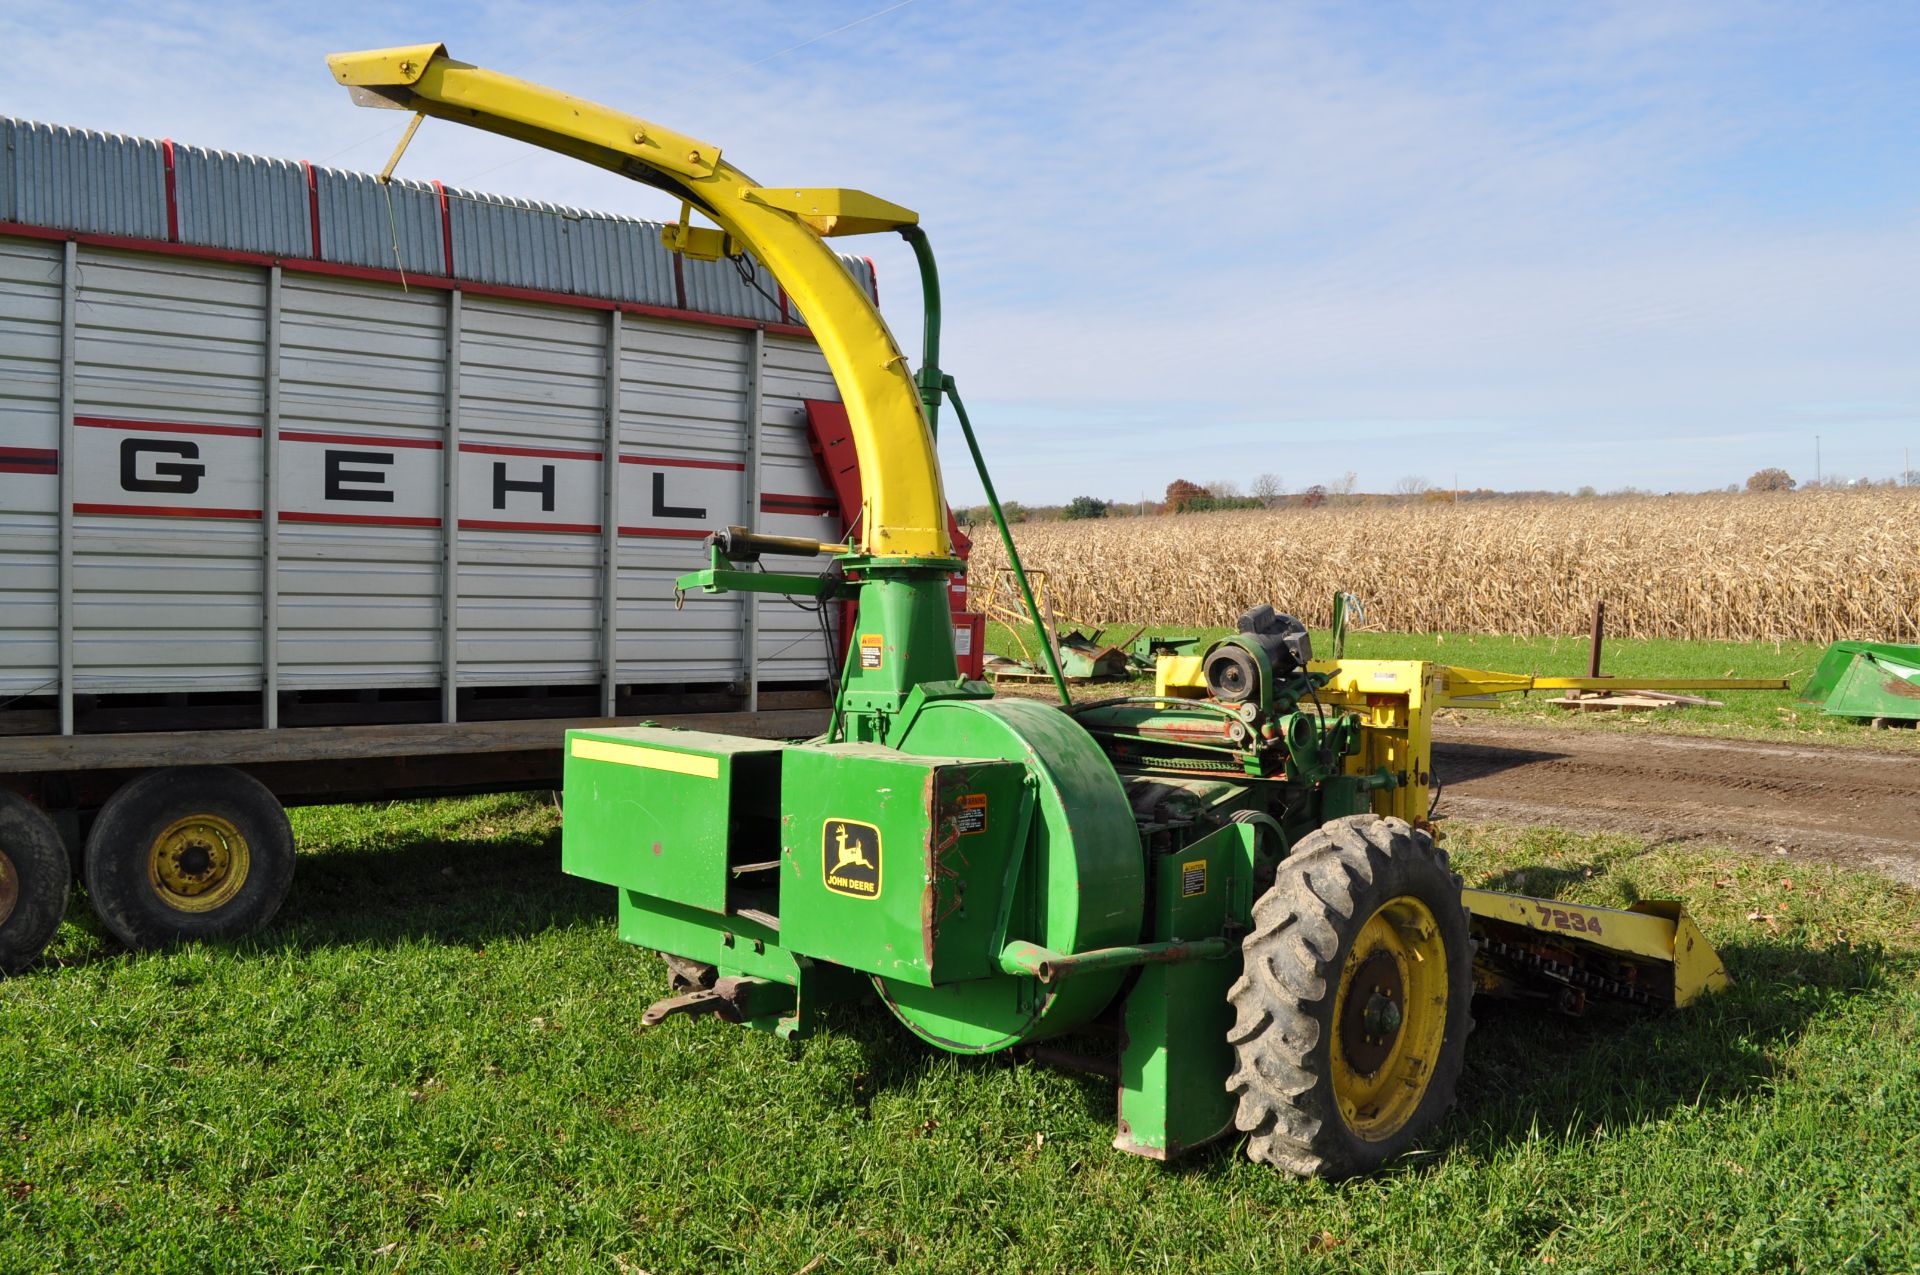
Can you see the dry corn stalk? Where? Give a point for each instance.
(1816, 566)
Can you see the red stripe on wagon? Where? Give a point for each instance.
(666, 533)
(489, 524)
(446, 227)
(775, 504)
(163, 511)
(29, 460)
(503, 449)
(165, 427)
(173, 202)
(359, 520)
(672, 462)
(310, 436)
(313, 206)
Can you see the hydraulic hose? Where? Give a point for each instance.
(930, 377)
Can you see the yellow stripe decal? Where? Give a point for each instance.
(647, 758)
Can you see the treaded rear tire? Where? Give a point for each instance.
(1286, 1029)
(39, 879)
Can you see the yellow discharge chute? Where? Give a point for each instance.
(903, 512)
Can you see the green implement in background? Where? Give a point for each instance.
(1867, 679)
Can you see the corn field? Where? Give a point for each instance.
(1817, 566)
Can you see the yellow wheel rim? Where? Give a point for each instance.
(199, 863)
(1390, 1018)
(9, 887)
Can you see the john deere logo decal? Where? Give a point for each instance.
(850, 854)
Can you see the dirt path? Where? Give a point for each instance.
(1850, 806)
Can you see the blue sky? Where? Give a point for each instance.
(1509, 245)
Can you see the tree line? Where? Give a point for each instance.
(1267, 491)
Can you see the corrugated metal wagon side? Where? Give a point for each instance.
(316, 489)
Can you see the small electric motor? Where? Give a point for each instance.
(1233, 668)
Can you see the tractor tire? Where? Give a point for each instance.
(201, 852)
(1352, 1011)
(35, 879)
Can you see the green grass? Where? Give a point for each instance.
(431, 1062)
(1748, 714)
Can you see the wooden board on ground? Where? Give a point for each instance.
(1629, 701)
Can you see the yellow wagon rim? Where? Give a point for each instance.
(1390, 1018)
(199, 863)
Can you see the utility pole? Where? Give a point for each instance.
(1816, 460)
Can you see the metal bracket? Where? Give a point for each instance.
(697, 243)
(393, 161)
(721, 580)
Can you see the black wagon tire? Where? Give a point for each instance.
(191, 852)
(1353, 1009)
(35, 879)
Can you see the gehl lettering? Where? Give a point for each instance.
(170, 476)
(357, 484)
(503, 484)
(661, 509)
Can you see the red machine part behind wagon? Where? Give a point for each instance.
(832, 441)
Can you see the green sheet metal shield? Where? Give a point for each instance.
(875, 873)
(1075, 882)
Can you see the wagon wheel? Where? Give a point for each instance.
(1352, 1012)
(35, 878)
(200, 852)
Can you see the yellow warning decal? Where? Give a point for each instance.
(647, 758)
(1193, 878)
(870, 646)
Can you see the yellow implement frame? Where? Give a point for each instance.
(903, 513)
(1396, 701)
(1654, 932)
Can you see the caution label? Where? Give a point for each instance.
(1193, 878)
(973, 813)
(870, 645)
(850, 858)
